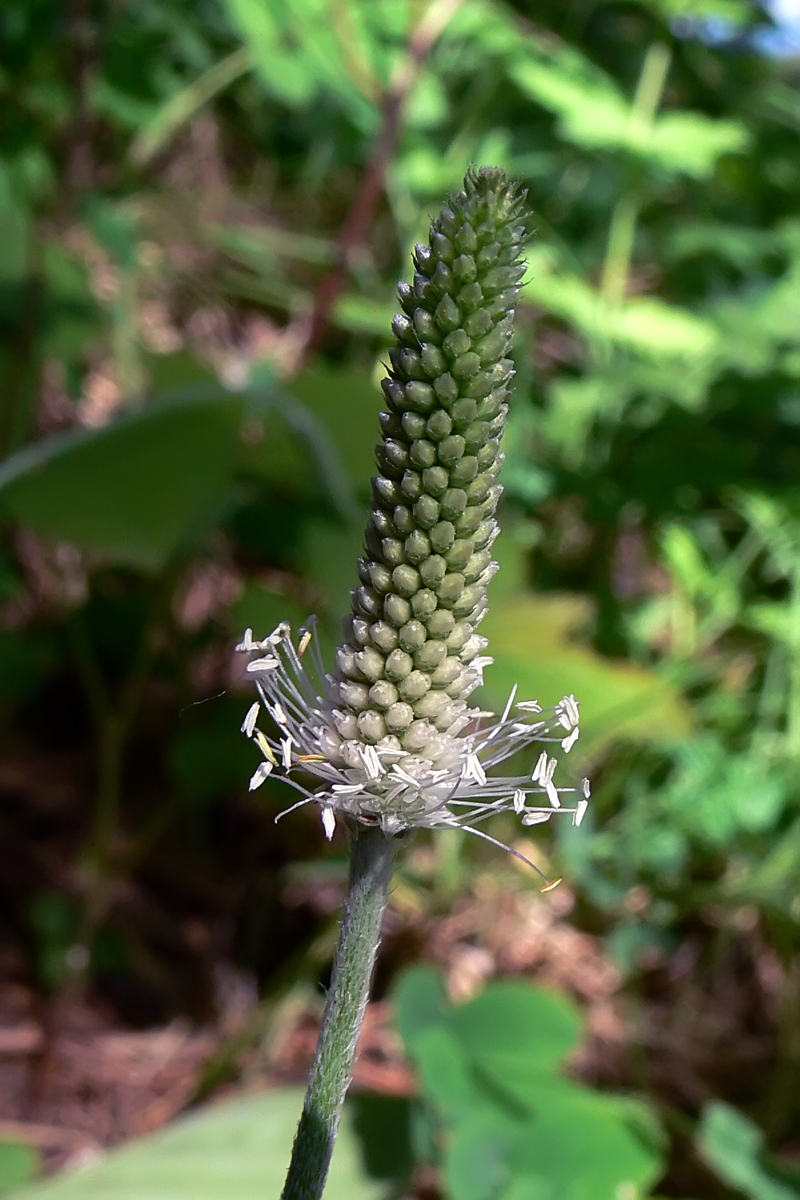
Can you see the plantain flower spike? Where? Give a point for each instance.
(389, 736)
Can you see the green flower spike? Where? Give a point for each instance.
(391, 736)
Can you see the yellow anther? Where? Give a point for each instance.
(548, 887)
(264, 746)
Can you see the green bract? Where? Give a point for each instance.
(412, 654)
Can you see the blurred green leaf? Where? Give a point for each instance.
(346, 402)
(133, 491)
(237, 1150)
(531, 643)
(19, 1164)
(420, 1003)
(732, 1145)
(491, 1069)
(595, 115)
(714, 793)
(546, 1030)
(15, 231)
(184, 104)
(284, 69)
(643, 325)
(209, 755)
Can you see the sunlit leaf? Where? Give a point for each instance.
(233, 1151)
(531, 643)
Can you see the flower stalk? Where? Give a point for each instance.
(371, 859)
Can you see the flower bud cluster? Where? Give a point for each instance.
(412, 654)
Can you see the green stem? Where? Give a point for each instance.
(622, 231)
(793, 714)
(371, 860)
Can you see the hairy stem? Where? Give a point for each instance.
(372, 856)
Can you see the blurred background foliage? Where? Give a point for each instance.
(204, 210)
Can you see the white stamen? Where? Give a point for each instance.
(569, 741)
(509, 705)
(540, 768)
(247, 644)
(579, 812)
(586, 787)
(257, 666)
(535, 817)
(568, 712)
(328, 822)
(286, 751)
(259, 775)
(404, 775)
(372, 764)
(519, 800)
(249, 723)
(474, 770)
(552, 793)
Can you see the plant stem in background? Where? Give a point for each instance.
(112, 724)
(372, 856)
(622, 230)
(359, 219)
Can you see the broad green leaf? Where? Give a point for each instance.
(530, 641)
(777, 620)
(515, 1027)
(478, 1151)
(420, 1003)
(363, 314)
(512, 1126)
(744, 248)
(326, 34)
(447, 1073)
(579, 1146)
(19, 1164)
(732, 1145)
(731, 12)
(130, 492)
(346, 403)
(232, 1151)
